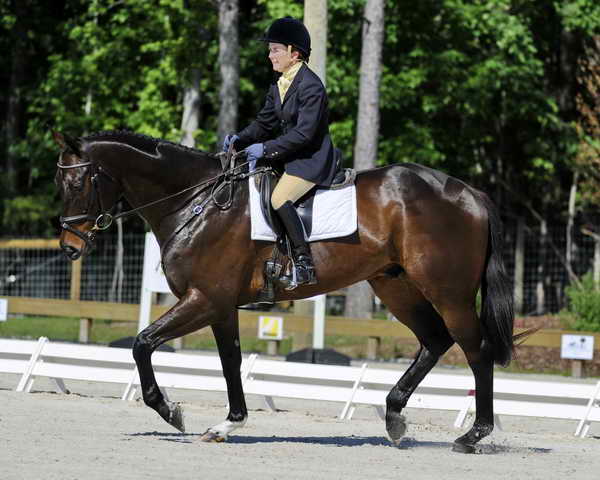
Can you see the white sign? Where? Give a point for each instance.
(270, 328)
(153, 279)
(577, 347)
(3, 309)
(153, 276)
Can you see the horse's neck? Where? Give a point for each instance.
(146, 178)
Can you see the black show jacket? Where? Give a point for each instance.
(296, 132)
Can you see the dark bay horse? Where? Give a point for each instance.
(426, 243)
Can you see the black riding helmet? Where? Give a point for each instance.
(289, 31)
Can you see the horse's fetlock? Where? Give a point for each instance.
(482, 429)
(397, 399)
(154, 399)
(237, 417)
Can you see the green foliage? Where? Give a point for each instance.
(484, 90)
(584, 305)
(28, 214)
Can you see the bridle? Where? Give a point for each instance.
(103, 219)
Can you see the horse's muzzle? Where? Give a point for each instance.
(72, 253)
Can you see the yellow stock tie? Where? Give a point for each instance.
(286, 79)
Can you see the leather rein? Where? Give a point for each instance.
(104, 219)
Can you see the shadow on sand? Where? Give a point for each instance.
(407, 443)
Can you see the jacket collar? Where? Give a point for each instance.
(293, 86)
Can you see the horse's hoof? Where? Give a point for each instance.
(463, 448)
(212, 437)
(176, 416)
(466, 443)
(396, 427)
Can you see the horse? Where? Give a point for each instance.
(426, 243)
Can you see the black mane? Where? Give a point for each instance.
(140, 141)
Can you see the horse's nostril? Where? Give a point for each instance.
(71, 252)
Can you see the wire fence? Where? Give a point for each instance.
(544, 263)
(45, 273)
(28, 272)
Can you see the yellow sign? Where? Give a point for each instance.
(270, 328)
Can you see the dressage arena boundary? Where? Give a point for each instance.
(351, 386)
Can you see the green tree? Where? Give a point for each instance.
(491, 91)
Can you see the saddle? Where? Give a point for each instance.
(266, 182)
(276, 266)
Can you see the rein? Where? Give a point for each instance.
(104, 219)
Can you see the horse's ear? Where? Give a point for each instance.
(73, 143)
(60, 139)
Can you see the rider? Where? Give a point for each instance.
(292, 128)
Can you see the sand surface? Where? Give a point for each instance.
(92, 434)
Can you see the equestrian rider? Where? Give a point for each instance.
(292, 128)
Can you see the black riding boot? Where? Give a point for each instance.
(303, 263)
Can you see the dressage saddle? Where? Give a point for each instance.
(267, 181)
(274, 268)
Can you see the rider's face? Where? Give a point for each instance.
(281, 57)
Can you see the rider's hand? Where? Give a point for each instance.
(253, 153)
(229, 139)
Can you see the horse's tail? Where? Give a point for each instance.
(519, 338)
(497, 311)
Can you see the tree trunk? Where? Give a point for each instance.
(359, 301)
(571, 220)
(359, 297)
(596, 268)
(14, 107)
(315, 19)
(367, 126)
(191, 109)
(519, 266)
(541, 269)
(229, 65)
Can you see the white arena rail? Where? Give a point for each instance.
(185, 371)
(67, 361)
(351, 386)
(531, 398)
(272, 378)
(16, 355)
(436, 391)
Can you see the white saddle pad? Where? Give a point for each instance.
(334, 214)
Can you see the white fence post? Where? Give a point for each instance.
(584, 424)
(347, 411)
(26, 381)
(319, 321)
(153, 279)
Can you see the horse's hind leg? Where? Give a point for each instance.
(409, 306)
(192, 312)
(464, 326)
(228, 342)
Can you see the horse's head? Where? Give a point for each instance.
(86, 190)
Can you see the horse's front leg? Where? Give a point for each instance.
(192, 312)
(228, 342)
